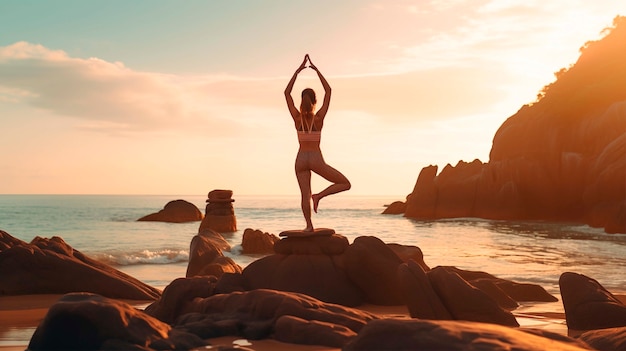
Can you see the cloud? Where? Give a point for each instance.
(103, 95)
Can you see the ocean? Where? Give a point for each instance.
(105, 227)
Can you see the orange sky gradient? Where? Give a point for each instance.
(181, 98)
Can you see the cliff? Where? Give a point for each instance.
(562, 158)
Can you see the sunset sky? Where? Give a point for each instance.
(182, 97)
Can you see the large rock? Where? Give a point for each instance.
(320, 276)
(219, 212)
(416, 334)
(466, 302)
(561, 158)
(372, 266)
(178, 294)
(51, 266)
(206, 257)
(610, 339)
(84, 321)
(257, 242)
(260, 313)
(334, 244)
(419, 295)
(588, 305)
(177, 211)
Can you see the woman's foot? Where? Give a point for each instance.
(308, 229)
(316, 200)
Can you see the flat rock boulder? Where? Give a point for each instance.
(82, 321)
(257, 242)
(320, 276)
(261, 313)
(51, 266)
(417, 334)
(177, 211)
(333, 244)
(588, 305)
(466, 302)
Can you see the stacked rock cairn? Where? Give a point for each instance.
(220, 214)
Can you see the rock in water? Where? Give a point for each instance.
(177, 211)
(219, 214)
(257, 242)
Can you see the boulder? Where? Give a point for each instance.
(466, 302)
(177, 211)
(219, 212)
(372, 266)
(83, 321)
(588, 305)
(610, 339)
(179, 293)
(409, 252)
(51, 266)
(320, 276)
(296, 330)
(334, 244)
(418, 334)
(261, 309)
(206, 257)
(257, 242)
(396, 207)
(419, 295)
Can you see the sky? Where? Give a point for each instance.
(183, 97)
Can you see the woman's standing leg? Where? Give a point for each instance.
(304, 182)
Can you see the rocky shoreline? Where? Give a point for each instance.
(310, 291)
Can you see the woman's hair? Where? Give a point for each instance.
(308, 102)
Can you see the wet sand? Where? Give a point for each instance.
(20, 315)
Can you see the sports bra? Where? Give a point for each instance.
(308, 134)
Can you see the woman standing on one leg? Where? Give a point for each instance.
(309, 159)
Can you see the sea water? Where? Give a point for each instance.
(105, 227)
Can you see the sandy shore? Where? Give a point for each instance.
(20, 315)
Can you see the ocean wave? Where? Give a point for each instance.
(164, 256)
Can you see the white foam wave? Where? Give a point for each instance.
(164, 256)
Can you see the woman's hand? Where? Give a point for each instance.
(303, 64)
(311, 65)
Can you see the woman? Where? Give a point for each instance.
(309, 127)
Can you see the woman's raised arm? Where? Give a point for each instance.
(292, 107)
(327, 91)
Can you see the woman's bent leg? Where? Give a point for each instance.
(340, 182)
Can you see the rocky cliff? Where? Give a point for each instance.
(562, 158)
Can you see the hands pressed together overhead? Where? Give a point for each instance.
(303, 64)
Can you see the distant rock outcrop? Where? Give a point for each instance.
(177, 211)
(51, 266)
(562, 158)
